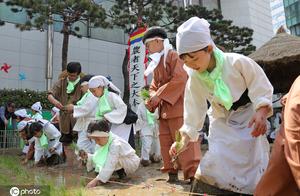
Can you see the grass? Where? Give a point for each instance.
(13, 173)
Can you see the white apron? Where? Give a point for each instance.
(235, 160)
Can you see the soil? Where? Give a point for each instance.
(146, 181)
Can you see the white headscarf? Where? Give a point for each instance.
(21, 125)
(102, 81)
(37, 107)
(21, 113)
(155, 57)
(193, 35)
(55, 110)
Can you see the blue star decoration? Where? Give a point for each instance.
(22, 76)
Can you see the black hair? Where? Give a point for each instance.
(35, 127)
(184, 54)
(28, 133)
(99, 125)
(10, 104)
(155, 32)
(74, 67)
(85, 78)
(21, 118)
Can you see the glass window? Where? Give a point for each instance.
(114, 35)
(9, 16)
(82, 28)
(297, 29)
(57, 25)
(294, 21)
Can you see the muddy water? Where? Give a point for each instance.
(146, 181)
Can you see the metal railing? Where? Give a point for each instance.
(9, 139)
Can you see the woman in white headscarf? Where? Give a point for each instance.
(110, 105)
(240, 95)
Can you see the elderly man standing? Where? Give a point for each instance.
(67, 91)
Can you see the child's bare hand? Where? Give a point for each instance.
(25, 161)
(83, 155)
(69, 107)
(149, 106)
(259, 120)
(173, 150)
(155, 100)
(92, 183)
(51, 150)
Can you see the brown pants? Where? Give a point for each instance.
(278, 178)
(188, 160)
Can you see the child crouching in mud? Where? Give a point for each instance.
(111, 154)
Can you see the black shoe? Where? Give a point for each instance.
(121, 173)
(173, 178)
(145, 163)
(154, 160)
(190, 181)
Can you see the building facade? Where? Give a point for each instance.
(292, 14)
(278, 15)
(100, 51)
(255, 14)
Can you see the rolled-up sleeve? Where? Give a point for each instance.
(260, 90)
(86, 108)
(55, 90)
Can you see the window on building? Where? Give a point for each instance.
(9, 16)
(113, 35)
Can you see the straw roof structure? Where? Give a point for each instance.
(280, 59)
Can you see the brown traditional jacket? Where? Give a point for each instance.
(59, 91)
(168, 84)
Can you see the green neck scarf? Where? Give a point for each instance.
(71, 85)
(103, 105)
(37, 116)
(101, 153)
(150, 117)
(44, 141)
(83, 98)
(215, 83)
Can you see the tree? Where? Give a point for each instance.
(231, 37)
(40, 14)
(140, 13)
(170, 16)
(131, 14)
